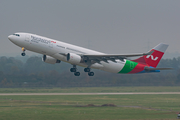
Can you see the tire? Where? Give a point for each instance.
(77, 73)
(87, 69)
(91, 73)
(73, 69)
(23, 54)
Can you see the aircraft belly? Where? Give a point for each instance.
(32, 48)
(60, 57)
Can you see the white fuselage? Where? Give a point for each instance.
(58, 50)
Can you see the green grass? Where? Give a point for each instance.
(90, 89)
(65, 107)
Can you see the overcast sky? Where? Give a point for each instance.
(109, 26)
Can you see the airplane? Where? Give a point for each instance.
(56, 51)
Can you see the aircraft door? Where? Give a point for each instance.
(51, 45)
(27, 37)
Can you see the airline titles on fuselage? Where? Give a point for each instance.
(37, 40)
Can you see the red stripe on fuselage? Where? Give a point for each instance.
(139, 68)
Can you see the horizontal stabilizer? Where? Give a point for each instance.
(152, 69)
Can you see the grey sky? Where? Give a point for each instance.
(110, 26)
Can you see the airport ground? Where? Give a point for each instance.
(89, 106)
(93, 89)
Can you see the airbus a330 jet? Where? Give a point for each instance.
(56, 51)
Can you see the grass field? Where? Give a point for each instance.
(72, 107)
(91, 89)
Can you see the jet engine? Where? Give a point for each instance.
(73, 58)
(50, 60)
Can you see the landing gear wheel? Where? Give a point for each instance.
(77, 73)
(73, 69)
(87, 69)
(91, 73)
(23, 54)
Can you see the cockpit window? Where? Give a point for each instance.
(16, 35)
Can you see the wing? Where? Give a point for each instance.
(112, 57)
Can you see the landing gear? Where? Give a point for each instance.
(74, 69)
(89, 71)
(23, 53)
(77, 73)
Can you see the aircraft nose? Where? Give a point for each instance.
(10, 37)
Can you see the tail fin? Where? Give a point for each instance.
(153, 59)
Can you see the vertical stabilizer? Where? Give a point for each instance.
(153, 59)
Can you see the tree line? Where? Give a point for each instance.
(35, 73)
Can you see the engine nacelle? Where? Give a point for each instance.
(50, 60)
(73, 58)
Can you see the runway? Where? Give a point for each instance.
(126, 93)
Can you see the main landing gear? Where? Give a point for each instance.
(23, 53)
(89, 71)
(74, 69)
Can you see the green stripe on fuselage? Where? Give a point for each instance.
(128, 67)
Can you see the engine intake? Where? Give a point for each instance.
(49, 59)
